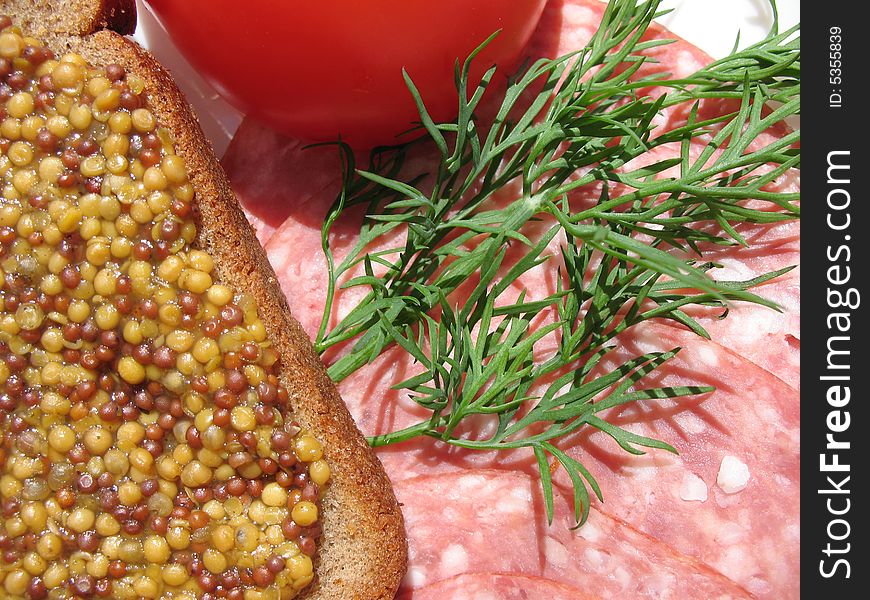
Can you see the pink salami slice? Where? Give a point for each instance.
(617, 561)
(567, 25)
(731, 496)
(496, 586)
(769, 338)
(276, 177)
(468, 522)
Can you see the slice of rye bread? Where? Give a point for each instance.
(362, 553)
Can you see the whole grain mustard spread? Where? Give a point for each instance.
(147, 449)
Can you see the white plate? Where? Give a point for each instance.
(712, 25)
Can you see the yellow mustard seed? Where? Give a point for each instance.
(132, 432)
(50, 169)
(107, 525)
(79, 311)
(246, 537)
(146, 587)
(80, 117)
(108, 100)
(200, 261)
(34, 516)
(30, 127)
(182, 454)
(223, 538)
(52, 340)
(130, 370)
(120, 122)
(195, 474)
(170, 269)
(80, 519)
(168, 468)
(186, 364)
(11, 45)
(55, 575)
(205, 349)
(105, 283)
(49, 546)
(174, 168)
(141, 212)
(154, 179)
(159, 202)
(116, 163)
(178, 538)
(24, 180)
(53, 403)
(141, 459)
(143, 120)
(89, 228)
(15, 526)
(98, 566)
(130, 551)
(174, 574)
(16, 582)
(20, 105)
(308, 448)
(20, 153)
(214, 560)
(300, 566)
(132, 332)
(34, 564)
(170, 314)
(304, 513)
(319, 472)
(195, 281)
(67, 75)
(121, 247)
(274, 535)
(184, 192)
(274, 495)
(10, 128)
(157, 550)
(243, 418)
(129, 493)
(97, 440)
(93, 166)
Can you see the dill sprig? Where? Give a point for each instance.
(562, 124)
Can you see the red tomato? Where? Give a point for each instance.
(318, 68)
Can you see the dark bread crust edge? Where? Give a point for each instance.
(46, 18)
(363, 550)
(117, 15)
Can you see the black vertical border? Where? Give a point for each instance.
(826, 129)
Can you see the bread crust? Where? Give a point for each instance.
(47, 18)
(362, 553)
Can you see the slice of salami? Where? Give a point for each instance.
(276, 178)
(769, 338)
(731, 496)
(496, 586)
(617, 561)
(468, 522)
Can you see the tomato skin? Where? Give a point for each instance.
(315, 69)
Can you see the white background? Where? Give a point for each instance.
(710, 24)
